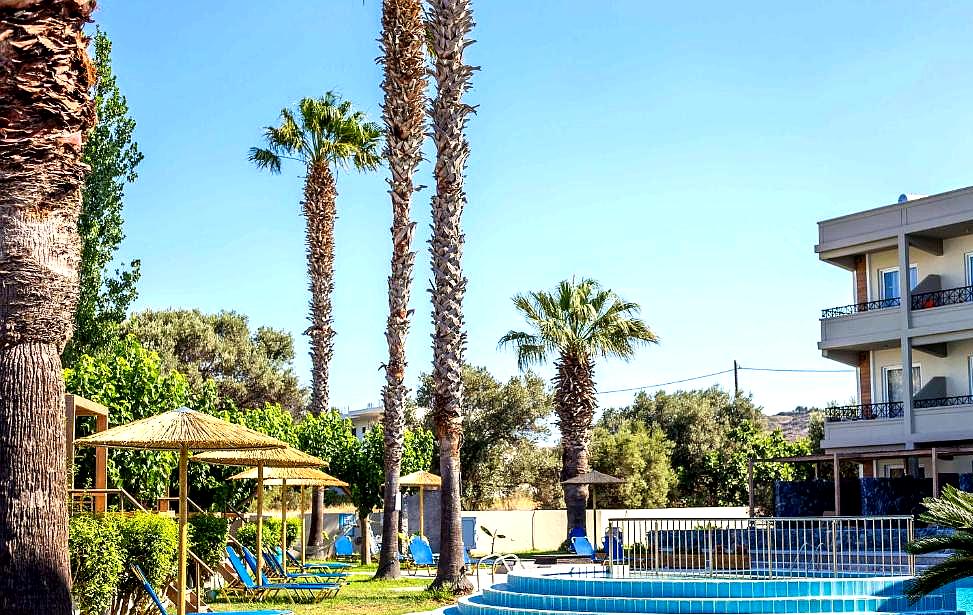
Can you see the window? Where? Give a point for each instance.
(889, 281)
(969, 269)
(893, 382)
(970, 370)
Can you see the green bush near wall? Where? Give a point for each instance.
(208, 534)
(97, 561)
(104, 547)
(247, 534)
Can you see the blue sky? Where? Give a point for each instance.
(679, 154)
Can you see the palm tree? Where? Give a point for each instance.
(45, 78)
(403, 42)
(325, 135)
(449, 24)
(577, 322)
(954, 509)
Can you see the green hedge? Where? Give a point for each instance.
(104, 547)
(97, 561)
(247, 534)
(207, 537)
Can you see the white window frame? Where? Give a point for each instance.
(969, 270)
(888, 467)
(885, 380)
(881, 280)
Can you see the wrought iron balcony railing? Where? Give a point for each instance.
(943, 402)
(937, 298)
(863, 412)
(856, 308)
(891, 410)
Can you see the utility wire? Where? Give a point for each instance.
(727, 371)
(662, 384)
(799, 371)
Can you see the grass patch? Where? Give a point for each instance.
(406, 595)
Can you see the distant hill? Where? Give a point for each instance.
(793, 422)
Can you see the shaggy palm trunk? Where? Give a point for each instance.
(320, 196)
(403, 40)
(574, 402)
(45, 76)
(450, 21)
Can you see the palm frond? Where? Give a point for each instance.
(265, 159)
(951, 569)
(583, 320)
(954, 508)
(958, 541)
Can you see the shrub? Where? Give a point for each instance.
(152, 542)
(208, 534)
(97, 561)
(247, 534)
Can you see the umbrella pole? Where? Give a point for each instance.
(422, 523)
(260, 523)
(183, 523)
(283, 523)
(303, 539)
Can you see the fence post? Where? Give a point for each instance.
(834, 547)
(910, 529)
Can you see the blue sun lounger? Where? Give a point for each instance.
(162, 609)
(313, 565)
(310, 591)
(420, 555)
(277, 570)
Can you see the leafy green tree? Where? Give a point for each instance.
(953, 509)
(113, 156)
(639, 455)
(130, 381)
(815, 430)
(496, 416)
(725, 480)
(697, 423)
(249, 369)
(577, 322)
(360, 463)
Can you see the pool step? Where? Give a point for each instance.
(474, 605)
(503, 597)
(660, 587)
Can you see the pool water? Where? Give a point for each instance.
(532, 592)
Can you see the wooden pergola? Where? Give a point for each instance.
(934, 453)
(75, 406)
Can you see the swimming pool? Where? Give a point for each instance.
(534, 592)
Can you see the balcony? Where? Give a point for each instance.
(935, 419)
(938, 316)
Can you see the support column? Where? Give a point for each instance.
(905, 341)
(837, 485)
(935, 473)
(101, 466)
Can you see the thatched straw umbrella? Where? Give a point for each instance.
(292, 477)
(275, 458)
(594, 478)
(182, 430)
(423, 480)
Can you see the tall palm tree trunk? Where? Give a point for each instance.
(320, 196)
(574, 402)
(45, 76)
(403, 41)
(450, 21)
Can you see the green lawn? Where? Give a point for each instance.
(359, 597)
